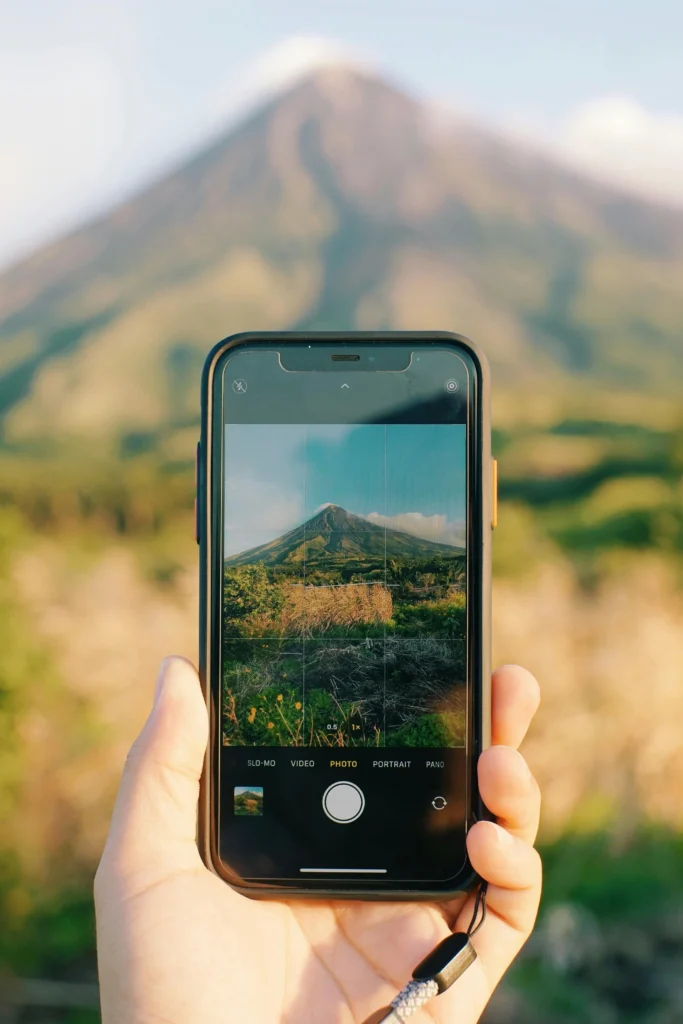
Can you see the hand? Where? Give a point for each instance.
(176, 945)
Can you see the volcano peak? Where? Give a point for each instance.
(332, 532)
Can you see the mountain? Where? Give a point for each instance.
(332, 532)
(341, 204)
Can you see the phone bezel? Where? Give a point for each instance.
(208, 524)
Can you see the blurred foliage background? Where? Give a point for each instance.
(341, 204)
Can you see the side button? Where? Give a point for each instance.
(197, 463)
(494, 493)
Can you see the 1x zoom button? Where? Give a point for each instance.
(343, 802)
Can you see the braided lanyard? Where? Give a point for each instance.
(437, 971)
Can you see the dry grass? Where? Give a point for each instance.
(317, 609)
(606, 744)
(607, 740)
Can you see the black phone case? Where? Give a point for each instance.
(210, 612)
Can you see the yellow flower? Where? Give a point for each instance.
(284, 675)
(271, 725)
(247, 670)
(298, 705)
(279, 696)
(252, 715)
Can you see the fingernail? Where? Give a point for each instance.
(161, 677)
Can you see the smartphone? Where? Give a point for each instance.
(344, 515)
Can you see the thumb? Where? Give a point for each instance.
(154, 822)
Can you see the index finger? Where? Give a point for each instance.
(515, 696)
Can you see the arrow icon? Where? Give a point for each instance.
(345, 385)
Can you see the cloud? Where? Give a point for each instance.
(293, 58)
(258, 511)
(618, 141)
(435, 528)
(331, 433)
(279, 68)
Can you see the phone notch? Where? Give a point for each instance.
(317, 357)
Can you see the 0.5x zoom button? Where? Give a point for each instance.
(343, 802)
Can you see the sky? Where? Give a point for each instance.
(409, 477)
(99, 96)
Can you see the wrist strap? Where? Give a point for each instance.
(438, 971)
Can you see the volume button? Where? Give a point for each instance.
(494, 493)
(197, 503)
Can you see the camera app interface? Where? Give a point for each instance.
(344, 647)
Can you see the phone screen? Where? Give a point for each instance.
(345, 708)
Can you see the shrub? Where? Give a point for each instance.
(432, 618)
(248, 592)
(446, 729)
